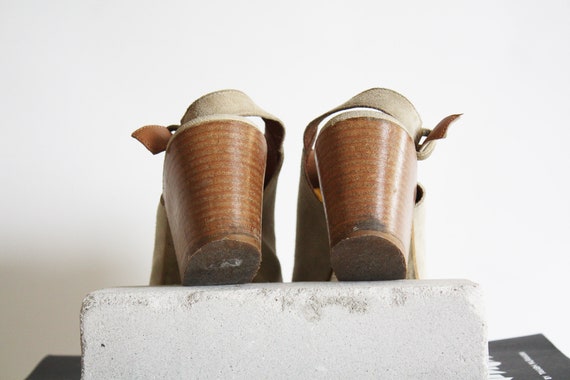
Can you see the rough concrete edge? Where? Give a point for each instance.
(475, 297)
(86, 304)
(480, 305)
(91, 300)
(291, 285)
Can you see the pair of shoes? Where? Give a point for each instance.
(359, 202)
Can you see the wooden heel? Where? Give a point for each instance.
(213, 192)
(367, 177)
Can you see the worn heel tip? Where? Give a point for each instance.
(223, 262)
(370, 257)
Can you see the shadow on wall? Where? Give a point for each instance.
(40, 308)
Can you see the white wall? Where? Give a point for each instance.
(78, 195)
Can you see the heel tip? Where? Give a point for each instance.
(223, 262)
(368, 258)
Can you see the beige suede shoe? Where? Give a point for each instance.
(215, 220)
(360, 207)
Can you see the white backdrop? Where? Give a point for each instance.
(78, 194)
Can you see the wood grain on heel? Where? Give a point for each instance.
(367, 176)
(213, 190)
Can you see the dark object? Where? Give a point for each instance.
(529, 357)
(57, 368)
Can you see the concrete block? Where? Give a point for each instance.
(422, 329)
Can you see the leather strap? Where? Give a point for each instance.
(426, 147)
(154, 137)
(226, 102)
(395, 105)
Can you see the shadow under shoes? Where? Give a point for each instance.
(215, 219)
(360, 208)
